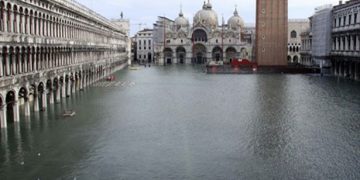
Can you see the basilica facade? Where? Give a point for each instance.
(179, 42)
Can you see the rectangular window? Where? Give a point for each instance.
(334, 23)
(344, 23)
(354, 41)
(339, 22)
(350, 19)
(355, 18)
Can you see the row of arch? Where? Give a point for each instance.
(24, 59)
(294, 49)
(200, 54)
(46, 92)
(15, 18)
(346, 68)
(294, 59)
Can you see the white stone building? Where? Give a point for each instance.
(204, 41)
(345, 53)
(51, 49)
(144, 46)
(296, 27)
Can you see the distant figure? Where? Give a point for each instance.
(121, 15)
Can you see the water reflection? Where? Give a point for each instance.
(178, 123)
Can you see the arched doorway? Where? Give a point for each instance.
(217, 54)
(62, 84)
(56, 88)
(168, 55)
(296, 59)
(10, 106)
(230, 54)
(42, 96)
(49, 91)
(68, 85)
(181, 55)
(199, 54)
(289, 58)
(24, 98)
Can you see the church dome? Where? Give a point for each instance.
(235, 22)
(206, 17)
(181, 21)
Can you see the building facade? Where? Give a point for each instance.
(144, 46)
(296, 28)
(321, 27)
(49, 50)
(271, 32)
(306, 48)
(345, 53)
(205, 41)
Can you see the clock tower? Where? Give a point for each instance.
(271, 32)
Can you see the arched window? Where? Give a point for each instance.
(293, 34)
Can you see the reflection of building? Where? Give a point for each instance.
(271, 32)
(296, 28)
(144, 45)
(345, 54)
(178, 42)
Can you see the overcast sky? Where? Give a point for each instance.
(146, 11)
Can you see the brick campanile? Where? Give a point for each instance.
(271, 32)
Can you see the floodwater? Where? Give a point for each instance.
(176, 122)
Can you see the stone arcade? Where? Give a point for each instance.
(49, 50)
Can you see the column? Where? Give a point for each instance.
(340, 68)
(345, 69)
(13, 58)
(350, 70)
(1, 65)
(356, 71)
(351, 43)
(44, 99)
(63, 89)
(30, 68)
(27, 107)
(3, 120)
(51, 96)
(334, 67)
(5, 20)
(358, 42)
(16, 111)
(26, 62)
(68, 92)
(19, 57)
(73, 88)
(58, 93)
(81, 83)
(36, 103)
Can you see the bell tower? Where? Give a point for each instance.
(271, 32)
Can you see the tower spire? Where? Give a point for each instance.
(181, 14)
(236, 11)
